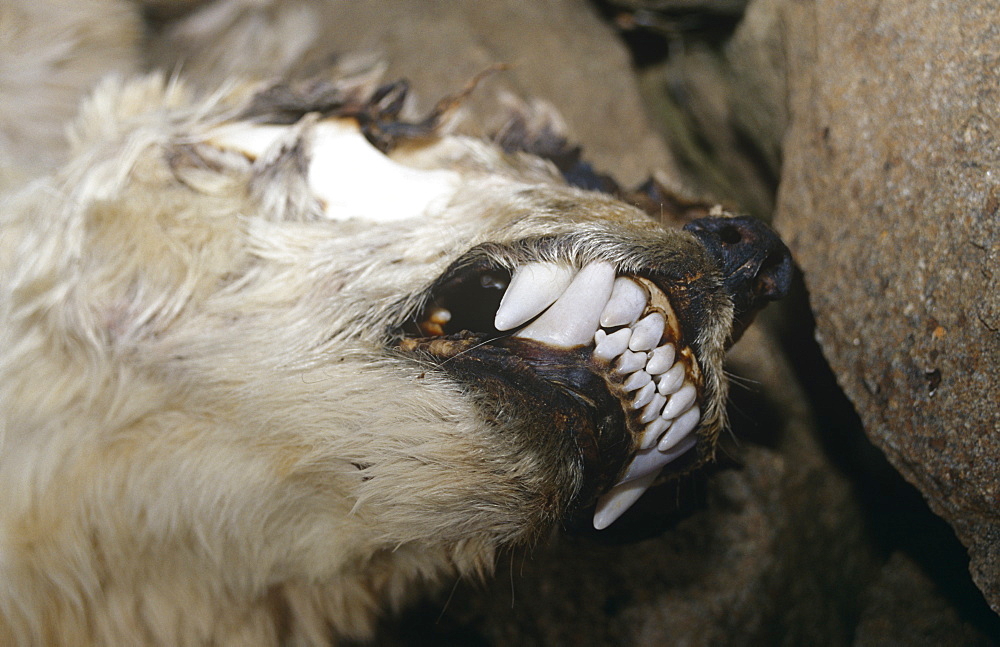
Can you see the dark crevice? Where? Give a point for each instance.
(651, 34)
(897, 515)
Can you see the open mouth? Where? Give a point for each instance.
(612, 343)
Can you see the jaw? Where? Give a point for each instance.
(595, 365)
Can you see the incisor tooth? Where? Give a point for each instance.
(644, 395)
(630, 362)
(660, 359)
(573, 319)
(647, 332)
(628, 300)
(680, 429)
(671, 380)
(652, 432)
(612, 345)
(652, 410)
(637, 380)
(533, 288)
(679, 402)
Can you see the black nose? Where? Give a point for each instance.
(756, 265)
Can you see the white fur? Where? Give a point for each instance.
(349, 176)
(204, 438)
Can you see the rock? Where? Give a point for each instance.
(902, 608)
(889, 199)
(438, 46)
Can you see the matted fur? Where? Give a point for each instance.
(207, 437)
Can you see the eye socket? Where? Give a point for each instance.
(467, 301)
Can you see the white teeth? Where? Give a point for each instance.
(644, 396)
(652, 432)
(628, 300)
(671, 380)
(573, 319)
(660, 360)
(652, 410)
(680, 429)
(630, 362)
(533, 288)
(637, 380)
(651, 460)
(619, 499)
(647, 332)
(613, 345)
(680, 401)
(569, 309)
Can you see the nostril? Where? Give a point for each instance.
(774, 277)
(773, 261)
(730, 235)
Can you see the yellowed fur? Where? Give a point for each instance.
(204, 438)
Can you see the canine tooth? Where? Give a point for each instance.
(628, 300)
(652, 410)
(652, 433)
(630, 362)
(680, 401)
(637, 380)
(642, 472)
(671, 380)
(533, 288)
(660, 359)
(644, 396)
(613, 345)
(680, 429)
(572, 320)
(647, 332)
(619, 499)
(648, 461)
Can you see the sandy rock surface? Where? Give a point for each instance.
(890, 201)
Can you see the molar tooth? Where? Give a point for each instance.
(680, 429)
(651, 460)
(671, 380)
(660, 359)
(619, 499)
(647, 332)
(628, 300)
(680, 401)
(572, 320)
(652, 410)
(533, 288)
(644, 396)
(630, 362)
(637, 380)
(652, 433)
(612, 345)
